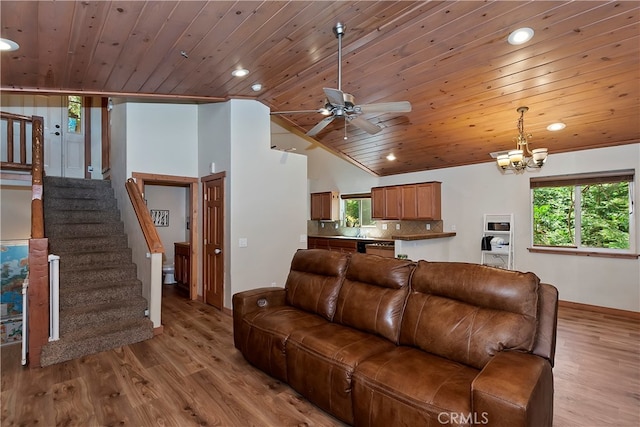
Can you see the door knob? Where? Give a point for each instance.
(217, 251)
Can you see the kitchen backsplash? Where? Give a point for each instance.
(333, 228)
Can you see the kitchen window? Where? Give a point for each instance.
(586, 213)
(357, 210)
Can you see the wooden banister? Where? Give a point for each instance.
(37, 173)
(144, 218)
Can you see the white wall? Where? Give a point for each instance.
(468, 192)
(265, 195)
(173, 199)
(150, 138)
(15, 211)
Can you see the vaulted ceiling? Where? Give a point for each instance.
(450, 59)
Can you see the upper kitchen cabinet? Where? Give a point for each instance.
(325, 206)
(422, 201)
(407, 202)
(386, 202)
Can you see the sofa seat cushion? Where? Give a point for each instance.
(406, 386)
(321, 361)
(266, 333)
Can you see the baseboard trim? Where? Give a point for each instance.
(227, 311)
(158, 331)
(633, 315)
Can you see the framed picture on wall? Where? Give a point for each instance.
(160, 217)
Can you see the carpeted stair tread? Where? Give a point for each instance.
(85, 229)
(61, 216)
(80, 244)
(99, 292)
(99, 274)
(93, 259)
(89, 316)
(97, 339)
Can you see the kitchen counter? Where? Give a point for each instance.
(363, 239)
(423, 236)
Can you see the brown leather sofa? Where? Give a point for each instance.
(380, 341)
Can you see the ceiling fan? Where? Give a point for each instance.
(342, 105)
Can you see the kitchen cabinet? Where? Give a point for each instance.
(325, 206)
(422, 201)
(182, 255)
(386, 202)
(332, 244)
(409, 202)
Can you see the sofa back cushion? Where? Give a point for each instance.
(315, 279)
(373, 295)
(469, 312)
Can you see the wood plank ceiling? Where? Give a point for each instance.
(450, 59)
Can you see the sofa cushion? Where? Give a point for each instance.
(373, 294)
(321, 361)
(315, 279)
(265, 333)
(469, 312)
(406, 386)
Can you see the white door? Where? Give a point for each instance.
(73, 137)
(51, 109)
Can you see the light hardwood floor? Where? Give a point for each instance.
(192, 375)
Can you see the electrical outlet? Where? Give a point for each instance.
(397, 226)
(428, 226)
(336, 226)
(303, 238)
(384, 226)
(322, 225)
(453, 228)
(242, 242)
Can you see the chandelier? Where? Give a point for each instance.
(521, 158)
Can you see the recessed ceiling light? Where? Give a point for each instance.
(256, 87)
(556, 126)
(240, 72)
(8, 45)
(391, 157)
(520, 36)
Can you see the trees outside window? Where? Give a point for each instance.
(357, 212)
(590, 212)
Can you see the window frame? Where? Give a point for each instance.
(576, 180)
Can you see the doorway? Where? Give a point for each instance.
(191, 184)
(213, 239)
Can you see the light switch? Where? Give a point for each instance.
(242, 242)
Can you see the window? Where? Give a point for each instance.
(74, 114)
(592, 212)
(357, 210)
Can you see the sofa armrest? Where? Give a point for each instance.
(514, 389)
(252, 300)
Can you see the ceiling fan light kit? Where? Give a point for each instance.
(522, 158)
(342, 105)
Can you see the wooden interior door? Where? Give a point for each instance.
(213, 239)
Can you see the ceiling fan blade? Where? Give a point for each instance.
(365, 125)
(295, 111)
(334, 96)
(385, 107)
(321, 125)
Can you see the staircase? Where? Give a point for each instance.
(101, 302)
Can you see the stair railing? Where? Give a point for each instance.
(37, 287)
(149, 230)
(156, 250)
